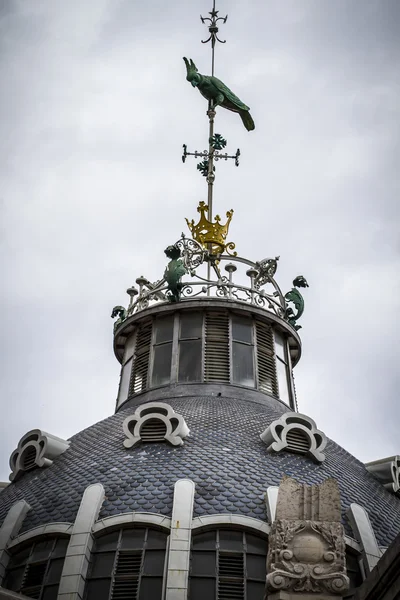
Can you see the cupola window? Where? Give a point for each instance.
(35, 570)
(162, 351)
(127, 564)
(190, 345)
(227, 564)
(215, 346)
(242, 351)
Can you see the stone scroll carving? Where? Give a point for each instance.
(35, 449)
(307, 548)
(387, 471)
(174, 431)
(283, 434)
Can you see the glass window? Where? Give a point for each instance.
(242, 364)
(189, 360)
(282, 381)
(162, 364)
(242, 329)
(220, 560)
(164, 329)
(280, 346)
(191, 325)
(35, 570)
(128, 561)
(129, 348)
(124, 382)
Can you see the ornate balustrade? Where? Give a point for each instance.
(195, 272)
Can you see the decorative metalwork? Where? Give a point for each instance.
(174, 273)
(217, 141)
(203, 167)
(209, 234)
(216, 92)
(199, 272)
(213, 27)
(297, 300)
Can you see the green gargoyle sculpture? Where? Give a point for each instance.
(121, 312)
(297, 300)
(174, 272)
(213, 89)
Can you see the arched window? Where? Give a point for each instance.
(127, 564)
(227, 564)
(35, 569)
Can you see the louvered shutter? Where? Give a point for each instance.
(33, 579)
(231, 576)
(266, 360)
(141, 359)
(153, 430)
(216, 363)
(297, 441)
(126, 578)
(29, 460)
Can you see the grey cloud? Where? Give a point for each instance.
(94, 113)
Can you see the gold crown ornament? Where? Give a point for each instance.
(212, 235)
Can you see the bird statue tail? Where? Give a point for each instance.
(247, 119)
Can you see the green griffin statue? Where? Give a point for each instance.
(174, 272)
(213, 89)
(297, 300)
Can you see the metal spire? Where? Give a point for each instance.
(215, 140)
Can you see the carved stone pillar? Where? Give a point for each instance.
(306, 556)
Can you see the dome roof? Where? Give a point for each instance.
(223, 455)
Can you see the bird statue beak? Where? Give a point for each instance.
(194, 83)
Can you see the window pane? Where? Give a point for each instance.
(133, 539)
(98, 589)
(156, 539)
(50, 593)
(107, 542)
(124, 382)
(150, 588)
(20, 558)
(242, 329)
(204, 541)
(61, 547)
(230, 540)
(256, 545)
(203, 563)
(14, 579)
(154, 562)
(162, 364)
(280, 346)
(255, 590)
(129, 347)
(190, 361)
(282, 381)
(191, 325)
(55, 570)
(201, 589)
(256, 566)
(164, 328)
(242, 364)
(102, 564)
(42, 550)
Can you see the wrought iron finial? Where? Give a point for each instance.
(213, 27)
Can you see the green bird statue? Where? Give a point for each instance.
(213, 89)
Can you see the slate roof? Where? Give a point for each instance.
(223, 455)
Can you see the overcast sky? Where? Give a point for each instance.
(94, 110)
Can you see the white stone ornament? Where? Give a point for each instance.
(175, 431)
(35, 449)
(285, 433)
(387, 471)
